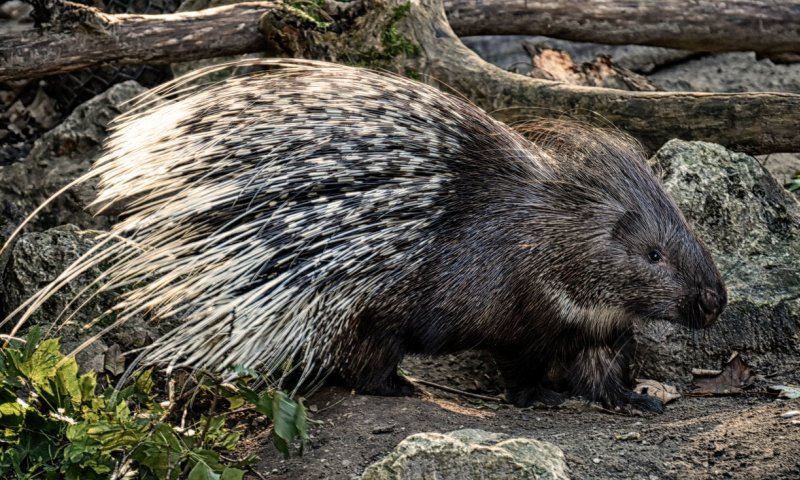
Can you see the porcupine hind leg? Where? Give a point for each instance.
(600, 373)
(374, 353)
(524, 376)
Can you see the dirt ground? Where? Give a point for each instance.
(737, 437)
(696, 438)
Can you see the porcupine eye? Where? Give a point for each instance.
(654, 256)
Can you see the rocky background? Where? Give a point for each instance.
(737, 203)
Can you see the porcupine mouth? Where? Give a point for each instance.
(702, 311)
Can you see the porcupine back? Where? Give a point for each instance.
(264, 211)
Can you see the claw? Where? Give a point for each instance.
(644, 403)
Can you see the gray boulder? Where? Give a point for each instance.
(469, 454)
(36, 260)
(751, 225)
(61, 155)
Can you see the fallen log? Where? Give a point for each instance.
(133, 39)
(747, 122)
(764, 26)
(419, 43)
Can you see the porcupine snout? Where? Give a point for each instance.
(711, 304)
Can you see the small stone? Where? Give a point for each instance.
(470, 454)
(596, 460)
(384, 429)
(790, 414)
(628, 436)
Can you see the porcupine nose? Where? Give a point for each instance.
(711, 304)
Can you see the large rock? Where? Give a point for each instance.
(729, 72)
(465, 454)
(61, 155)
(508, 52)
(751, 225)
(36, 260)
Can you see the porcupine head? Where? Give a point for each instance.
(602, 246)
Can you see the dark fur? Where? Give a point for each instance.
(508, 242)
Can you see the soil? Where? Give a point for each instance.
(738, 437)
(696, 438)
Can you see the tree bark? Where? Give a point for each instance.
(134, 39)
(765, 26)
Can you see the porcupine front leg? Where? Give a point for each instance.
(523, 377)
(600, 373)
(374, 353)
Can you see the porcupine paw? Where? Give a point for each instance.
(526, 397)
(394, 386)
(636, 401)
(646, 403)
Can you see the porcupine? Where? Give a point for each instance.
(340, 218)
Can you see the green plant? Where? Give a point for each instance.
(395, 43)
(55, 424)
(794, 184)
(311, 11)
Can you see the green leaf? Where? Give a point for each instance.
(301, 420)
(201, 471)
(281, 445)
(157, 460)
(31, 342)
(230, 473)
(144, 382)
(87, 385)
(165, 436)
(214, 424)
(36, 447)
(262, 403)
(227, 440)
(235, 401)
(285, 414)
(123, 412)
(113, 437)
(40, 365)
(11, 413)
(67, 382)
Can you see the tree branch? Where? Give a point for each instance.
(133, 39)
(747, 122)
(765, 26)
